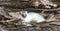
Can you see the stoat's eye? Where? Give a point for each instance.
(24, 15)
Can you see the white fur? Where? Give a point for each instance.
(34, 17)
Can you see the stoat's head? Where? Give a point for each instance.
(23, 13)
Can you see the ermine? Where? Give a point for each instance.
(32, 16)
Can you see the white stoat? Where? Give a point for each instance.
(32, 16)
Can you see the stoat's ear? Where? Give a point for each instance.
(23, 12)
